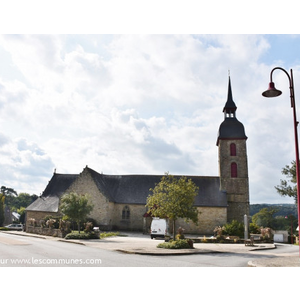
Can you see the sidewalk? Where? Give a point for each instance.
(136, 243)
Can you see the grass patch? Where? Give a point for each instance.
(108, 234)
(4, 228)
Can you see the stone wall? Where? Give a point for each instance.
(135, 222)
(102, 211)
(38, 216)
(46, 231)
(208, 219)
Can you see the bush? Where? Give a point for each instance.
(50, 221)
(234, 228)
(253, 228)
(177, 244)
(4, 228)
(82, 235)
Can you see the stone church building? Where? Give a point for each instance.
(119, 200)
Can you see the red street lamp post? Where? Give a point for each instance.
(273, 92)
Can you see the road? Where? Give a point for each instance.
(26, 251)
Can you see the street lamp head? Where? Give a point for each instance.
(271, 91)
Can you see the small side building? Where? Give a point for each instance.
(48, 202)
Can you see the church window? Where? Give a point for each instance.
(232, 149)
(126, 213)
(233, 170)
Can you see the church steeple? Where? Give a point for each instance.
(230, 107)
(230, 128)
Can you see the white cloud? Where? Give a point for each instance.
(23, 165)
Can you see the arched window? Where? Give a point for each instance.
(125, 213)
(233, 170)
(232, 149)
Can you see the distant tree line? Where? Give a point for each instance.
(282, 210)
(277, 217)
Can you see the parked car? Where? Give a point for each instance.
(15, 227)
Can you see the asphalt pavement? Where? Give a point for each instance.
(137, 243)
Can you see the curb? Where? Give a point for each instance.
(264, 248)
(72, 242)
(25, 234)
(160, 253)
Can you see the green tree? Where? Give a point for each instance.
(10, 195)
(265, 217)
(75, 207)
(2, 216)
(21, 211)
(173, 198)
(288, 187)
(24, 200)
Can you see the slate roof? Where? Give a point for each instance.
(126, 189)
(134, 189)
(231, 128)
(229, 105)
(49, 200)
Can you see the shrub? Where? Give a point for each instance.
(253, 228)
(234, 228)
(177, 244)
(82, 235)
(88, 227)
(51, 221)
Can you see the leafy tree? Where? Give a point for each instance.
(173, 198)
(9, 194)
(265, 217)
(15, 201)
(285, 189)
(23, 200)
(75, 207)
(2, 198)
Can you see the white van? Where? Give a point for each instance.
(159, 228)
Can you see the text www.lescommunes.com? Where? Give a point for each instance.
(50, 261)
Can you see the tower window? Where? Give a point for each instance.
(125, 213)
(233, 170)
(232, 149)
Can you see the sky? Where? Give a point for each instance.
(141, 103)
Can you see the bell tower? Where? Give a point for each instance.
(233, 165)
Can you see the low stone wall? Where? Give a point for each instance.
(46, 231)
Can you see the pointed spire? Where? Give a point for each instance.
(230, 128)
(230, 105)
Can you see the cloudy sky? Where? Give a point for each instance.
(141, 104)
